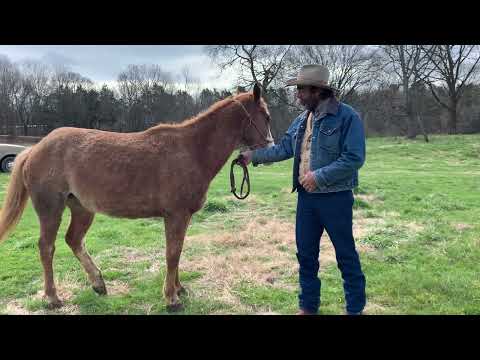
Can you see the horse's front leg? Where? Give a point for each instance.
(175, 229)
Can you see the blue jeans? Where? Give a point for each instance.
(332, 212)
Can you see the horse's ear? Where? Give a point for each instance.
(257, 92)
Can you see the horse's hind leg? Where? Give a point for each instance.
(49, 210)
(79, 225)
(176, 227)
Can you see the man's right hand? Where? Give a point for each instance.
(247, 156)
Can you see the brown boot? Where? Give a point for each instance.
(305, 312)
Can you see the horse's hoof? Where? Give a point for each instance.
(56, 304)
(100, 290)
(174, 307)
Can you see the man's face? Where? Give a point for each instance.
(307, 98)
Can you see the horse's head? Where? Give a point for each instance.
(256, 130)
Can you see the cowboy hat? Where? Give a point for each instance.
(312, 75)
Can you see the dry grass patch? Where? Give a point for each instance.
(65, 290)
(127, 254)
(416, 228)
(462, 226)
(16, 308)
(374, 309)
(261, 253)
(367, 198)
(116, 287)
(363, 226)
(251, 199)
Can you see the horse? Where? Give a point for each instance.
(162, 172)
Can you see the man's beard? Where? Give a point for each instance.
(308, 106)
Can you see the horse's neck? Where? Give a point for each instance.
(220, 134)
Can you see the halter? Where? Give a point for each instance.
(239, 159)
(252, 123)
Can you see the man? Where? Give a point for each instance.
(327, 142)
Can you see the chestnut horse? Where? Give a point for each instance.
(164, 171)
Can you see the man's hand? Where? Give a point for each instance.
(308, 182)
(247, 157)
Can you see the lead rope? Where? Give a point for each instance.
(246, 178)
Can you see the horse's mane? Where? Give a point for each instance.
(213, 108)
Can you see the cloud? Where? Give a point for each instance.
(57, 59)
(103, 63)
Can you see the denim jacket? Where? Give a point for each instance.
(337, 150)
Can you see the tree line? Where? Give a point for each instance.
(399, 90)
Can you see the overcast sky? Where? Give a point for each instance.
(103, 63)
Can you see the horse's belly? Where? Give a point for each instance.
(124, 206)
(141, 207)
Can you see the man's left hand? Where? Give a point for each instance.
(308, 182)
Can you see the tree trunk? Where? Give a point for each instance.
(452, 120)
(411, 121)
(422, 128)
(411, 127)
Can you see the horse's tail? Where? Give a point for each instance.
(15, 198)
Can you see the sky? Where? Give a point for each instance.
(103, 63)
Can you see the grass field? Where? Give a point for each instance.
(416, 222)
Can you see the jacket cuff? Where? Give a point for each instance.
(255, 158)
(319, 178)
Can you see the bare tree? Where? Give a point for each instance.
(410, 64)
(267, 65)
(262, 64)
(136, 85)
(191, 84)
(452, 68)
(33, 89)
(352, 67)
(63, 77)
(138, 79)
(10, 82)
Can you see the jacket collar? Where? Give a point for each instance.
(331, 107)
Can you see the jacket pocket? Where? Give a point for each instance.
(329, 139)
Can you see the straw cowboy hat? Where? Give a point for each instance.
(312, 75)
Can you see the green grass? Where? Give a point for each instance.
(420, 201)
